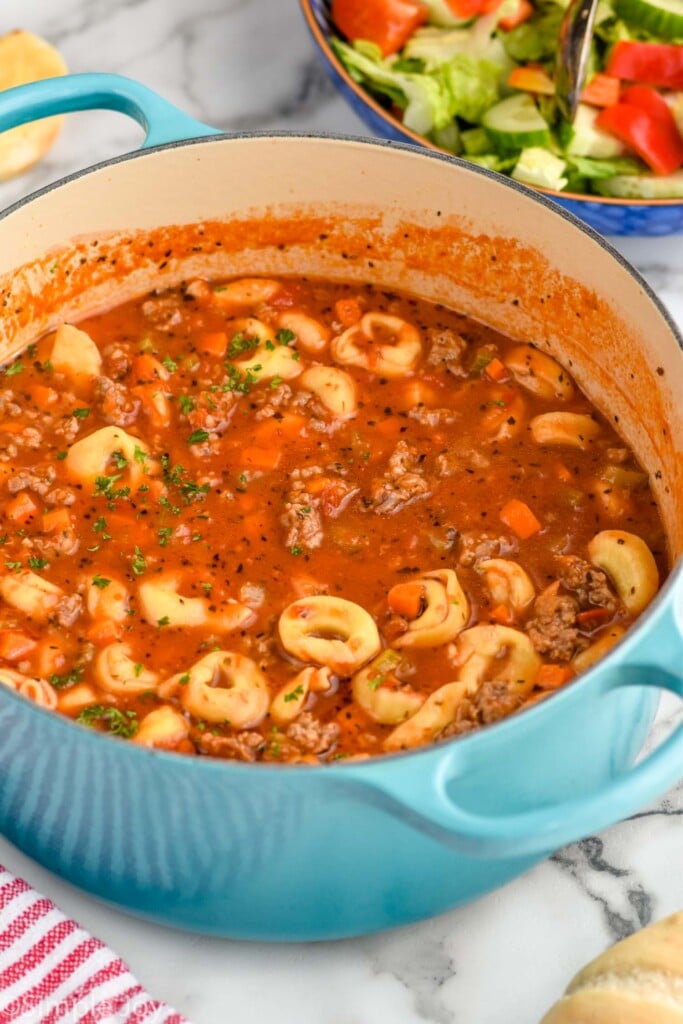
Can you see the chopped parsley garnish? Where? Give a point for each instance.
(207, 587)
(285, 337)
(198, 436)
(169, 364)
(61, 455)
(38, 563)
(118, 723)
(164, 621)
(14, 369)
(138, 669)
(275, 382)
(139, 455)
(101, 582)
(119, 459)
(294, 694)
(138, 563)
(12, 566)
(164, 533)
(239, 381)
(81, 414)
(187, 404)
(184, 678)
(376, 681)
(296, 551)
(104, 487)
(241, 343)
(60, 681)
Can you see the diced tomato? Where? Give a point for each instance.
(650, 63)
(467, 8)
(387, 23)
(502, 614)
(656, 140)
(601, 91)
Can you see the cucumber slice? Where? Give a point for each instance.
(515, 123)
(586, 139)
(641, 186)
(661, 17)
(541, 168)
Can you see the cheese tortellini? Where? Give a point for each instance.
(329, 631)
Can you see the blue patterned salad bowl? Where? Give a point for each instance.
(296, 852)
(607, 215)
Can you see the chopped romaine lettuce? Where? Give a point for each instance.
(586, 167)
(535, 39)
(473, 85)
(475, 141)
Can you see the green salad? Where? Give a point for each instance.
(483, 88)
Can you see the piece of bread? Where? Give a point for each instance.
(638, 981)
(25, 57)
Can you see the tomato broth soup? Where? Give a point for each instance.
(297, 521)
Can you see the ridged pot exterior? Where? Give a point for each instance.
(282, 853)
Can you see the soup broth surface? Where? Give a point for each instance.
(290, 520)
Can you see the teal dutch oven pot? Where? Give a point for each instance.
(294, 852)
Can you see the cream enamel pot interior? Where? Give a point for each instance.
(277, 852)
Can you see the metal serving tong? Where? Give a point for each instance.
(576, 32)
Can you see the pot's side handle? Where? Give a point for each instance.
(161, 121)
(433, 808)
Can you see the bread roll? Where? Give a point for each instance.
(25, 57)
(638, 981)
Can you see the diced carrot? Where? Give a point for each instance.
(406, 599)
(496, 370)
(602, 90)
(261, 458)
(9, 427)
(147, 368)
(247, 501)
(518, 516)
(15, 645)
(213, 343)
(502, 614)
(253, 526)
(563, 474)
(317, 484)
(532, 79)
(524, 11)
(593, 616)
(42, 396)
(57, 520)
(273, 431)
(104, 631)
(304, 759)
(348, 311)
(390, 427)
(155, 404)
(21, 508)
(550, 677)
(50, 658)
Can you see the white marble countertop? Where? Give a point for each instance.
(249, 64)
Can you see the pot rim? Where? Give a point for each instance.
(439, 749)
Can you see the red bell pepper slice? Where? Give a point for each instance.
(523, 12)
(388, 23)
(651, 63)
(646, 98)
(469, 8)
(654, 139)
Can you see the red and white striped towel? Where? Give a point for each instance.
(54, 972)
